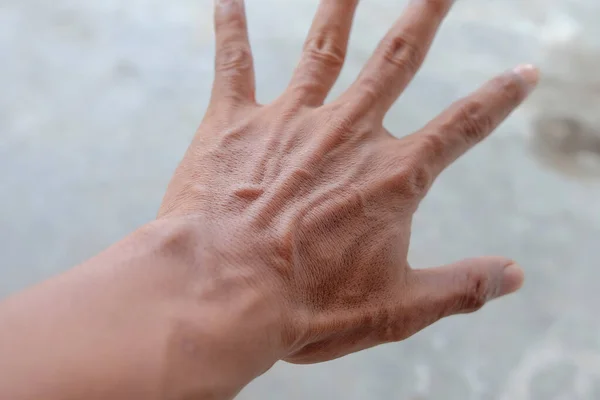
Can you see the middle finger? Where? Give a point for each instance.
(399, 55)
(324, 50)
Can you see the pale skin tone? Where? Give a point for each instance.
(283, 235)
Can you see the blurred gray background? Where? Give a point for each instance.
(99, 99)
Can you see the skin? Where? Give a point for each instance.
(283, 235)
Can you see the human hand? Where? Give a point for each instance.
(311, 204)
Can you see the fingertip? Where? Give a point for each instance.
(513, 277)
(226, 4)
(529, 74)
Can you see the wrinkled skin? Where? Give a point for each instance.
(312, 202)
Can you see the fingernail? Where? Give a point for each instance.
(225, 3)
(227, 8)
(529, 73)
(512, 279)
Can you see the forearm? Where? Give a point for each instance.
(149, 318)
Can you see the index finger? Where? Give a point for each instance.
(472, 119)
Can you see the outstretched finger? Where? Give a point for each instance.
(324, 51)
(399, 55)
(472, 119)
(234, 70)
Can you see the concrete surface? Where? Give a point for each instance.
(99, 99)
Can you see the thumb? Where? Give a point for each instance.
(466, 286)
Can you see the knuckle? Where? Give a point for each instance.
(391, 327)
(342, 124)
(403, 52)
(421, 180)
(370, 88)
(474, 122)
(413, 181)
(393, 333)
(433, 145)
(474, 296)
(324, 50)
(234, 58)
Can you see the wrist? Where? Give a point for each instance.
(227, 327)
